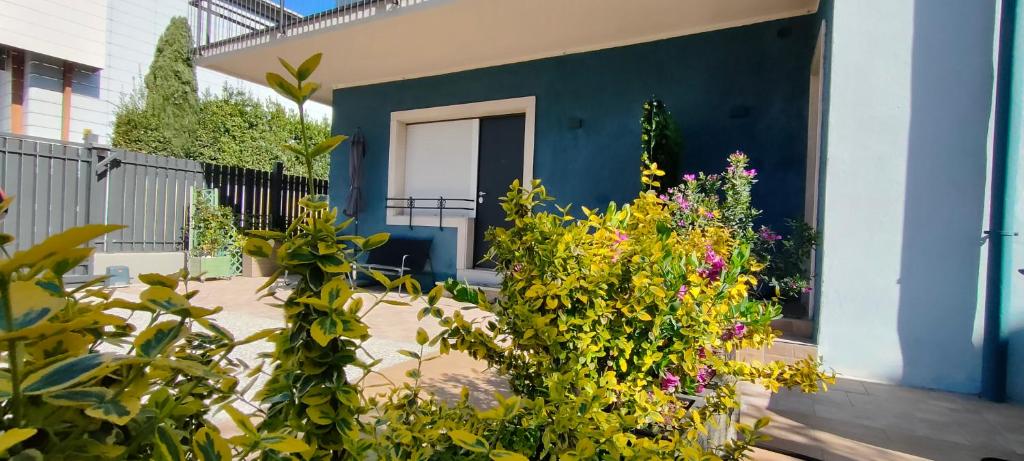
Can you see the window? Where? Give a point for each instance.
(440, 161)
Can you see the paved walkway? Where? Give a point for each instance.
(854, 420)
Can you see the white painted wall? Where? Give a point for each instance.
(43, 95)
(5, 94)
(123, 33)
(906, 178)
(69, 30)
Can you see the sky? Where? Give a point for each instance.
(308, 7)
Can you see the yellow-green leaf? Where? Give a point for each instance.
(422, 337)
(30, 305)
(118, 411)
(152, 341)
(208, 445)
(288, 445)
(258, 248)
(287, 66)
(56, 244)
(168, 445)
(468, 441)
(325, 329)
(326, 145)
(284, 87)
(164, 299)
(242, 421)
(82, 396)
(69, 372)
(320, 414)
(435, 295)
(308, 66)
(12, 437)
(505, 455)
(375, 241)
(159, 280)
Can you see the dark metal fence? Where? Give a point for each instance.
(260, 199)
(62, 185)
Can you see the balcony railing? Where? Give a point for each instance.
(226, 25)
(435, 205)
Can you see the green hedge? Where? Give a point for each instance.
(233, 128)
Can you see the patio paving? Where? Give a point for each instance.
(854, 420)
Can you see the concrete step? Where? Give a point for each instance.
(785, 350)
(796, 329)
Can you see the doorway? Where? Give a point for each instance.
(500, 161)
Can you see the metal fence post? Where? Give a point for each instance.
(276, 186)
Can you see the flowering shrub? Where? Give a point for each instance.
(725, 199)
(608, 319)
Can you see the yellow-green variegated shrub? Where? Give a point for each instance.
(79, 382)
(611, 319)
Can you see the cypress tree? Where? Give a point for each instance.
(172, 98)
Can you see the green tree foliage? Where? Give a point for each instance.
(233, 128)
(237, 129)
(171, 94)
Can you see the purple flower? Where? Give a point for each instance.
(702, 353)
(683, 203)
(738, 330)
(517, 267)
(662, 197)
(700, 388)
(669, 382)
(715, 265)
(689, 177)
(768, 235)
(709, 215)
(681, 293)
(808, 289)
(751, 172)
(705, 374)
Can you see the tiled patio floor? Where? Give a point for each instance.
(854, 420)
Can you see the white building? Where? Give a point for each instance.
(66, 65)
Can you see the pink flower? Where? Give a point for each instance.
(702, 353)
(681, 293)
(705, 374)
(669, 382)
(663, 197)
(751, 172)
(709, 215)
(689, 177)
(683, 203)
(715, 265)
(768, 235)
(738, 330)
(621, 237)
(808, 289)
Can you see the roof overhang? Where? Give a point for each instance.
(433, 37)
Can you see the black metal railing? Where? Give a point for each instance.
(440, 204)
(226, 25)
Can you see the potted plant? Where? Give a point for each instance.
(214, 241)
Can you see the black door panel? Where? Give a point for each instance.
(500, 162)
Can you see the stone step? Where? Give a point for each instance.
(796, 329)
(785, 350)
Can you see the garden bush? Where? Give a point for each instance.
(725, 198)
(82, 383)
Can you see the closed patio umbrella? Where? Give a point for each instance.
(355, 169)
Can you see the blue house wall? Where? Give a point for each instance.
(743, 88)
